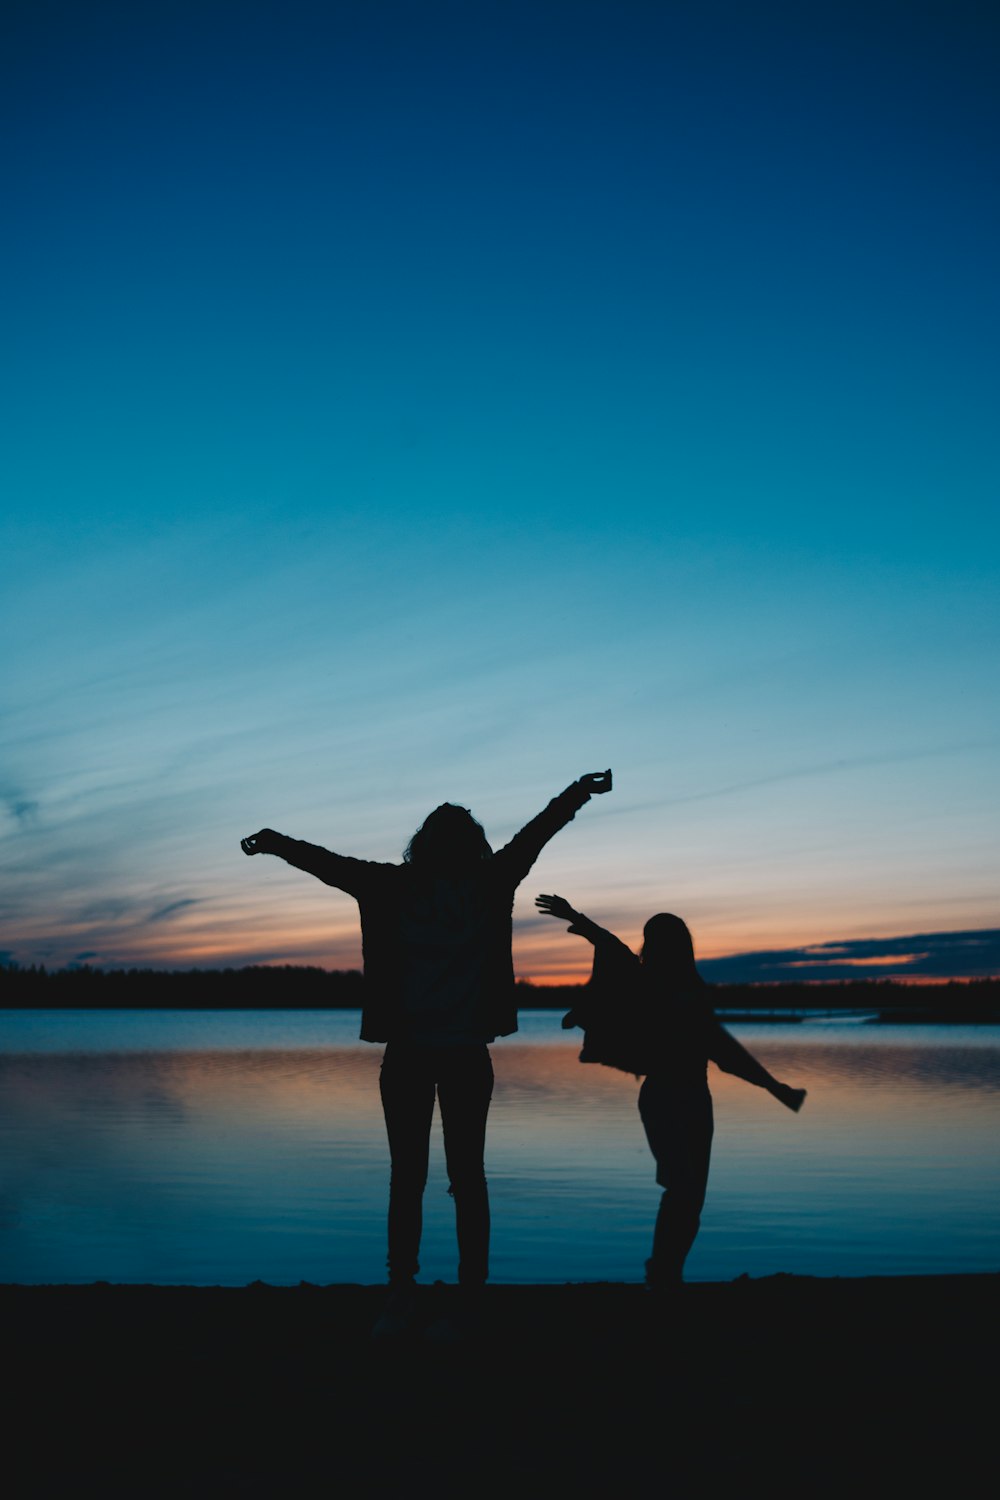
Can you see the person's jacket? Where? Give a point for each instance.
(390, 896)
(630, 1024)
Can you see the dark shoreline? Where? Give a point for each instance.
(820, 1385)
(294, 987)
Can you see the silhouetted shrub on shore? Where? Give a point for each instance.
(259, 987)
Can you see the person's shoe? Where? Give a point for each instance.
(398, 1315)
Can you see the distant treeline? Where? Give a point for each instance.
(297, 987)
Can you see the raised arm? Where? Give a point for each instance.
(603, 940)
(524, 848)
(333, 869)
(729, 1055)
(615, 965)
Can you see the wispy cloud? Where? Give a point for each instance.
(173, 908)
(825, 768)
(21, 809)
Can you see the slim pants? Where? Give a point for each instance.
(461, 1078)
(679, 1125)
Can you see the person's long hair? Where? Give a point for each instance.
(448, 841)
(668, 953)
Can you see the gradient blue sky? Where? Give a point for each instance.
(411, 402)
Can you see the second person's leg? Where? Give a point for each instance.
(679, 1127)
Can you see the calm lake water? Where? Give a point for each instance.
(218, 1148)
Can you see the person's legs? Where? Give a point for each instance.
(406, 1084)
(679, 1126)
(465, 1087)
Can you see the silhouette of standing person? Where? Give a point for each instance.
(650, 1015)
(439, 987)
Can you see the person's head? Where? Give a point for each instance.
(449, 839)
(667, 950)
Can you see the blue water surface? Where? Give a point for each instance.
(222, 1147)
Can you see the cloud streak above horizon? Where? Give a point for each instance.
(917, 956)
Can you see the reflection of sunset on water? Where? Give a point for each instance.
(125, 1159)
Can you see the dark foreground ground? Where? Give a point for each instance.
(787, 1385)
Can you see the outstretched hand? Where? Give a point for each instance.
(259, 843)
(596, 782)
(556, 906)
(789, 1097)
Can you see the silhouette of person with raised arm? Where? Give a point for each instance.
(650, 1015)
(439, 987)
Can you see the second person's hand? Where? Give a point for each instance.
(556, 906)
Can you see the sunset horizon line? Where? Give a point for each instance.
(939, 957)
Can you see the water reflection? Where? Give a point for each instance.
(142, 1150)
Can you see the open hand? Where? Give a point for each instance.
(791, 1098)
(596, 782)
(556, 906)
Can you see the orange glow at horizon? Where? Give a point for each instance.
(883, 961)
(320, 933)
